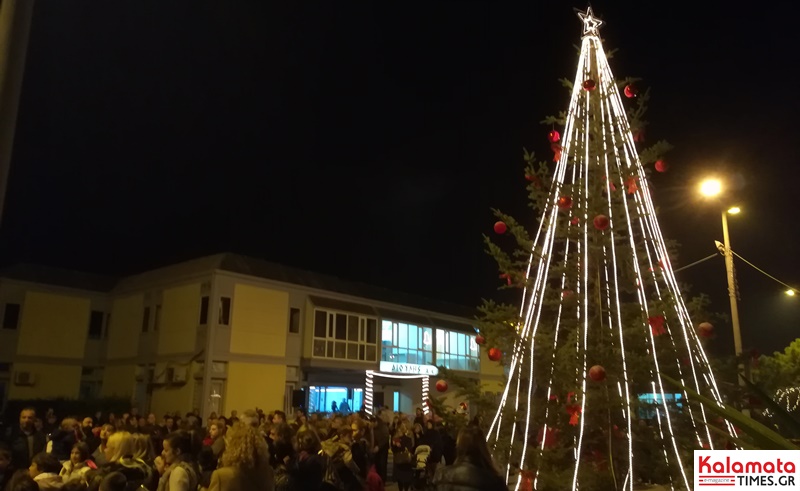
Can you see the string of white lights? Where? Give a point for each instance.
(598, 139)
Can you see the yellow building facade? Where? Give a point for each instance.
(225, 333)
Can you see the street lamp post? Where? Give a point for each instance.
(712, 188)
(732, 293)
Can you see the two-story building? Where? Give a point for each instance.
(228, 332)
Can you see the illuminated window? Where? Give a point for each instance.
(406, 343)
(457, 351)
(345, 336)
(650, 403)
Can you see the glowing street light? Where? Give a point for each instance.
(790, 293)
(710, 188)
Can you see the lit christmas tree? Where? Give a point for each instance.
(602, 318)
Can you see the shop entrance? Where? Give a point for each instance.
(338, 399)
(400, 400)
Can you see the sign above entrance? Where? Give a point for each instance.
(409, 368)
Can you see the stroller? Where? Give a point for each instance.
(421, 479)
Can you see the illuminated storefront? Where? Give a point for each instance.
(339, 399)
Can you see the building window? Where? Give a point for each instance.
(345, 336)
(203, 311)
(225, 311)
(96, 325)
(457, 351)
(146, 319)
(406, 343)
(11, 316)
(294, 320)
(157, 319)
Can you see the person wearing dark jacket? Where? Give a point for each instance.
(433, 439)
(473, 469)
(24, 440)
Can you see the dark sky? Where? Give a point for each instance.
(370, 141)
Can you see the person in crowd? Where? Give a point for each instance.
(143, 448)
(474, 469)
(181, 474)
(88, 434)
(433, 439)
(418, 436)
(22, 481)
(44, 470)
(380, 432)
(78, 464)
(308, 466)
(402, 458)
(119, 455)
(216, 438)
(244, 462)
(24, 440)
(6, 471)
(64, 438)
(99, 455)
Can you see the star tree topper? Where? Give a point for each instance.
(591, 24)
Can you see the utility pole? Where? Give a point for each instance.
(15, 25)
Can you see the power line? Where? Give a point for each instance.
(764, 272)
(696, 263)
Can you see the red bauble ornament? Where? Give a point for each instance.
(601, 222)
(661, 166)
(500, 228)
(495, 354)
(480, 340)
(507, 277)
(630, 91)
(550, 437)
(566, 293)
(575, 220)
(554, 136)
(657, 325)
(441, 386)
(705, 329)
(589, 85)
(597, 373)
(565, 202)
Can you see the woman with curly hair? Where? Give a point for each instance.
(245, 462)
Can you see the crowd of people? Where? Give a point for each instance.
(253, 451)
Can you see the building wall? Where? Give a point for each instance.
(171, 398)
(125, 327)
(252, 385)
(118, 380)
(53, 325)
(52, 380)
(259, 322)
(180, 313)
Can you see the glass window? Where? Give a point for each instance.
(11, 316)
(145, 319)
(294, 320)
(406, 343)
(344, 336)
(320, 326)
(225, 311)
(203, 311)
(457, 351)
(341, 326)
(352, 328)
(96, 325)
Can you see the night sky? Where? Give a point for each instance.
(370, 141)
